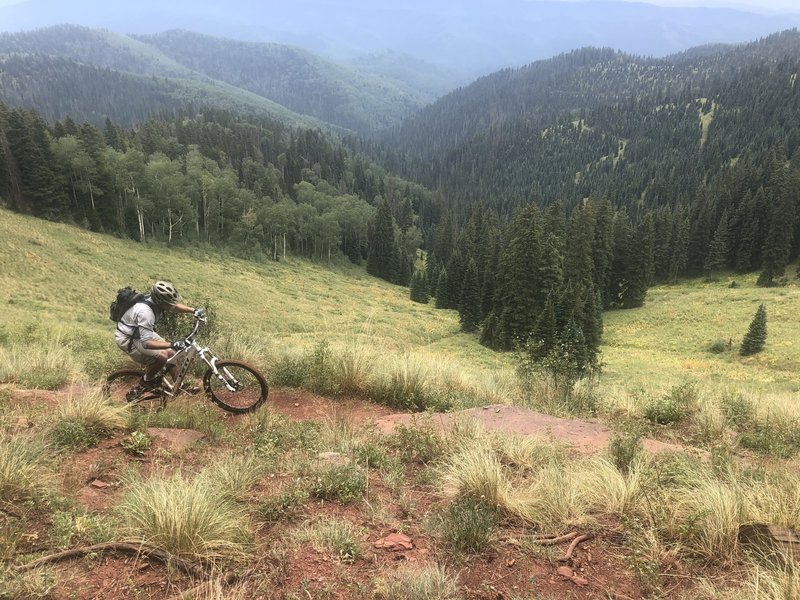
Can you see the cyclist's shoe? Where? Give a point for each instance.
(142, 388)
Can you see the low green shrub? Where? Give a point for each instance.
(719, 346)
(772, 436)
(273, 434)
(737, 410)
(626, 447)
(371, 455)
(79, 527)
(419, 444)
(466, 525)
(673, 407)
(137, 443)
(73, 435)
(344, 483)
(282, 506)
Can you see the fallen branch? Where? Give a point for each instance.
(573, 545)
(556, 540)
(10, 512)
(124, 547)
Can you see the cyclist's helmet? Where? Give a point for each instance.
(164, 293)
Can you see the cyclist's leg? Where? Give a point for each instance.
(153, 360)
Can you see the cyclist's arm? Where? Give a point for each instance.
(157, 344)
(182, 308)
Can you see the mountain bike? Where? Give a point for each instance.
(233, 385)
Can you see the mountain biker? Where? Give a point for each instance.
(136, 337)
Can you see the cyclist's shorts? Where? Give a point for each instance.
(143, 355)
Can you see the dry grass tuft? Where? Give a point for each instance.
(187, 517)
(427, 582)
(24, 468)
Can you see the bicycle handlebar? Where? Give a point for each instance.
(197, 322)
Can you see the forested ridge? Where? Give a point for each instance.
(700, 142)
(187, 64)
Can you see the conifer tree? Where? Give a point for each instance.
(718, 249)
(382, 247)
(756, 336)
(419, 287)
(442, 290)
(469, 308)
(520, 296)
(778, 243)
(451, 293)
(544, 334)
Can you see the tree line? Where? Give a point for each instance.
(256, 187)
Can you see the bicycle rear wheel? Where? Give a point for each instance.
(238, 388)
(119, 384)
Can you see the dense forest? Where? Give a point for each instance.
(257, 188)
(543, 195)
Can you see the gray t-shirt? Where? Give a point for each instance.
(139, 315)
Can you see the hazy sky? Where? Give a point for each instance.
(758, 6)
(754, 5)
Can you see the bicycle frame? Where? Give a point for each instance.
(184, 359)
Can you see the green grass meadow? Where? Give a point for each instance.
(56, 282)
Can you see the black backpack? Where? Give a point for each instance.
(126, 297)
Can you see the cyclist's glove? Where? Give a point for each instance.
(178, 345)
(199, 313)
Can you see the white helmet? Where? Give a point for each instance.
(164, 293)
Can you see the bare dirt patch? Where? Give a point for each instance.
(584, 435)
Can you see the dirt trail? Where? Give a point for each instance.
(583, 435)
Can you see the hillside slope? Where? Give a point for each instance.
(597, 122)
(63, 277)
(58, 278)
(475, 37)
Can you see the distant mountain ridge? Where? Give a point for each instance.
(296, 79)
(473, 36)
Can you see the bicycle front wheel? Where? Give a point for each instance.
(236, 387)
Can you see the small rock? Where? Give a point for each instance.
(296, 404)
(395, 542)
(22, 424)
(510, 562)
(577, 579)
(331, 459)
(174, 440)
(100, 485)
(565, 572)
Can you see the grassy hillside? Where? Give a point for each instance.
(58, 277)
(668, 339)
